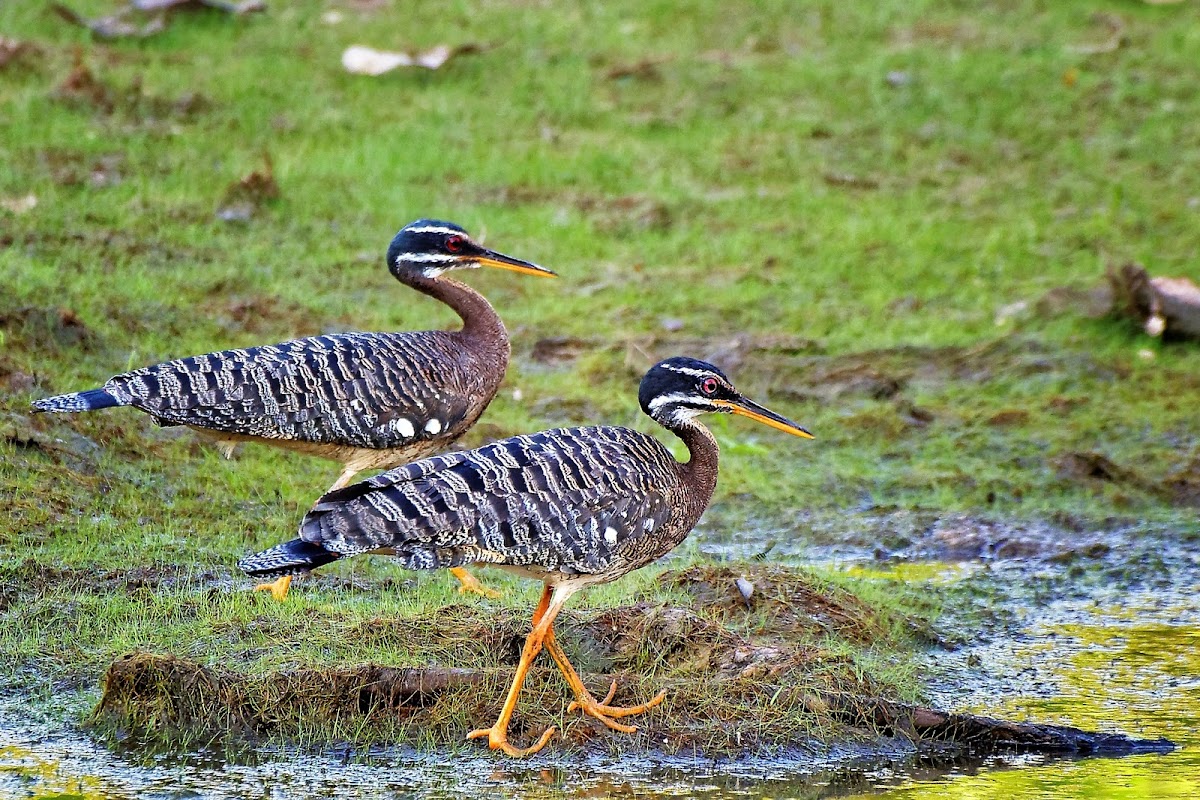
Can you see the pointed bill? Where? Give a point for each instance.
(490, 258)
(748, 408)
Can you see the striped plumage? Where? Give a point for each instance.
(368, 400)
(409, 393)
(571, 501)
(570, 507)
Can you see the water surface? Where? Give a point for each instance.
(1105, 658)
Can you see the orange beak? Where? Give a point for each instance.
(490, 258)
(748, 408)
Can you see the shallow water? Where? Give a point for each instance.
(1123, 661)
(1109, 658)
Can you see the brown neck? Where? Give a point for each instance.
(482, 328)
(700, 472)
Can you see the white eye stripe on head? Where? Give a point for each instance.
(677, 397)
(695, 373)
(437, 229)
(427, 258)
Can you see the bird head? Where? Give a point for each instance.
(428, 247)
(678, 389)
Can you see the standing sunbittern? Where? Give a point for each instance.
(570, 507)
(368, 400)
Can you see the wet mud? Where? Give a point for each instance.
(744, 670)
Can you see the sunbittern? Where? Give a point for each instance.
(368, 400)
(570, 507)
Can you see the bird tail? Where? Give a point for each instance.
(290, 558)
(90, 400)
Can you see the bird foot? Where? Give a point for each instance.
(498, 740)
(472, 585)
(602, 711)
(278, 588)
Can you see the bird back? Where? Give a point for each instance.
(572, 500)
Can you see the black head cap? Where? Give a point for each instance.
(422, 244)
(429, 247)
(682, 382)
(679, 388)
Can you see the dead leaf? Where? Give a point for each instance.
(559, 349)
(1116, 38)
(361, 60)
(1006, 313)
(849, 181)
(118, 25)
(745, 589)
(114, 26)
(633, 211)
(1161, 305)
(1093, 302)
(83, 87)
(13, 51)
(19, 205)
(1009, 416)
(645, 70)
(105, 171)
(237, 9)
(1093, 466)
(243, 198)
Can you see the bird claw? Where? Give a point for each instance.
(472, 585)
(605, 713)
(278, 587)
(498, 740)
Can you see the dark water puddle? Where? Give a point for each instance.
(1119, 660)
(36, 765)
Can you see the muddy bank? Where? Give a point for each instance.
(747, 670)
(162, 695)
(744, 668)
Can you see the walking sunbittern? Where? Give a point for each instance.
(368, 400)
(570, 507)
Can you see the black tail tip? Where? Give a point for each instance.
(91, 400)
(290, 558)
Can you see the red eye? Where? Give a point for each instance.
(454, 244)
(709, 385)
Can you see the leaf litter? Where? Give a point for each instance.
(362, 60)
(245, 197)
(144, 18)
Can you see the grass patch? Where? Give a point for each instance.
(185, 664)
(880, 218)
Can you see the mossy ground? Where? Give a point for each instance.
(865, 212)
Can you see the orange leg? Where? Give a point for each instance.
(551, 603)
(278, 587)
(584, 700)
(343, 480)
(471, 584)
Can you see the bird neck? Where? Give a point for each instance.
(482, 326)
(700, 472)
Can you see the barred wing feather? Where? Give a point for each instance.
(346, 389)
(569, 500)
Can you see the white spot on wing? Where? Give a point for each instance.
(434, 427)
(404, 427)
(610, 535)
